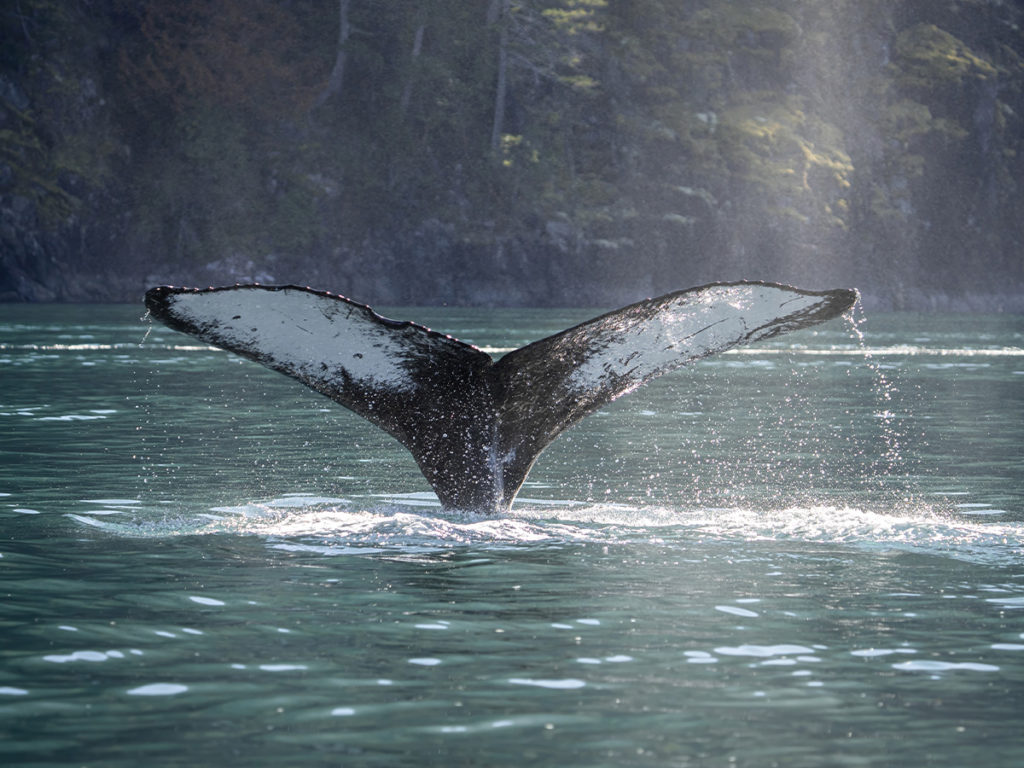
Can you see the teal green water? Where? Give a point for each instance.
(809, 553)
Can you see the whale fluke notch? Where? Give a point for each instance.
(474, 425)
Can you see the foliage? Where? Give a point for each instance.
(930, 57)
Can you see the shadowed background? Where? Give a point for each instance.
(539, 152)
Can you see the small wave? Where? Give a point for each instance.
(925, 530)
(414, 523)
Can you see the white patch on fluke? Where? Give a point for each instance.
(287, 331)
(687, 328)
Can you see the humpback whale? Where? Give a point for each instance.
(476, 425)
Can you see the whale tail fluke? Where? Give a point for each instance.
(476, 426)
(551, 384)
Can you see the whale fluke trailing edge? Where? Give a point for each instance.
(475, 425)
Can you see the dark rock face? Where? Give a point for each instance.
(27, 269)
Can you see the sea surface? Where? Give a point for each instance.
(805, 553)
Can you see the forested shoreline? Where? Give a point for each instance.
(501, 152)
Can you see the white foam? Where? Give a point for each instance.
(354, 528)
